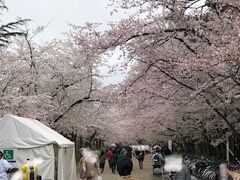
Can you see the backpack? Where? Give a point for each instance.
(156, 159)
(102, 159)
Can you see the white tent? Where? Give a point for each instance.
(140, 147)
(23, 138)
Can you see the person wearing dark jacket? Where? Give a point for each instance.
(102, 161)
(140, 157)
(124, 168)
(129, 153)
(113, 161)
(166, 151)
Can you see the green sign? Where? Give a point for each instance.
(8, 154)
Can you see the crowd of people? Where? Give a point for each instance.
(119, 160)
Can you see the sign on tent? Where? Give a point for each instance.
(8, 154)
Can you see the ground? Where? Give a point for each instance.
(140, 174)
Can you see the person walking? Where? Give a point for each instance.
(166, 151)
(89, 166)
(121, 156)
(113, 160)
(140, 158)
(109, 156)
(102, 161)
(124, 168)
(5, 167)
(129, 153)
(157, 159)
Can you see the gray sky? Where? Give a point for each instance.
(58, 13)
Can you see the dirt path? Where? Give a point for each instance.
(141, 174)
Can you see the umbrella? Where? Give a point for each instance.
(156, 146)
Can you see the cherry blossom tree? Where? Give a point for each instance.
(53, 82)
(183, 81)
(184, 77)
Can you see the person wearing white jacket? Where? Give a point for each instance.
(5, 166)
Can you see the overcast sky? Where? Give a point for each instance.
(58, 13)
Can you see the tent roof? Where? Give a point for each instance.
(19, 132)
